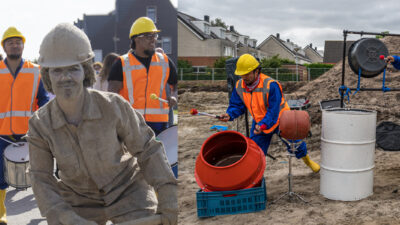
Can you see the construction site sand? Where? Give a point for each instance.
(383, 207)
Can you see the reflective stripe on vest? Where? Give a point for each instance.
(129, 69)
(153, 111)
(16, 114)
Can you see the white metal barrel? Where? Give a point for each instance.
(347, 154)
(169, 138)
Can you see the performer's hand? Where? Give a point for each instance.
(167, 204)
(389, 59)
(224, 117)
(257, 129)
(172, 101)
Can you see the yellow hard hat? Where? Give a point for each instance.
(12, 32)
(245, 64)
(143, 25)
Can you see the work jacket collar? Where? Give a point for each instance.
(91, 111)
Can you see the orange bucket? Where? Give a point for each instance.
(229, 161)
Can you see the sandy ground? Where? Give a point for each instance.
(383, 207)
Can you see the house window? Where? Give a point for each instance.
(228, 51)
(206, 28)
(167, 45)
(222, 34)
(151, 12)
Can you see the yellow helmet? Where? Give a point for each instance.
(143, 25)
(12, 32)
(245, 64)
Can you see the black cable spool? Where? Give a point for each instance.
(364, 54)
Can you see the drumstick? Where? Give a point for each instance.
(15, 144)
(195, 112)
(155, 97)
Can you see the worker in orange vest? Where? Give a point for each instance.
(263, 98)
(144, 71)
(22, 93)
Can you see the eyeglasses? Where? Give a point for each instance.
(149, 36)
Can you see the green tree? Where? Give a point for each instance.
(381, 36)
(220, 62)
(219, 23)
(275, 62)
(184, 64)
(318, 65)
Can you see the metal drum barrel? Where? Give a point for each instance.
(16, 165)
(364, 54)
(169, 138)
(347, 154)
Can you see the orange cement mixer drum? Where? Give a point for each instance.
(294, 124)
(229, 161)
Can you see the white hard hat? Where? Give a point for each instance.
(65, 45)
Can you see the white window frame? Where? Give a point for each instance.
(170, 43)
(155, 12)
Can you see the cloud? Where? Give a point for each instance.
(303, 22)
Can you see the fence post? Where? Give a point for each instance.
(181, 73)
(309, 74)
(277, 73)
(212, 74)
(197, 74)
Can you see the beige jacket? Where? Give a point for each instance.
(102, 161)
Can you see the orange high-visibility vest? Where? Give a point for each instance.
(18, 98)
(138, 85)
(257, 100)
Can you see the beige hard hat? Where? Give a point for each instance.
(65, 45)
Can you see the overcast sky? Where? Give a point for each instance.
(35, 18)
(303, 22)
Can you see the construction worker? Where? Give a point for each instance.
(395, 60)
(109, 160)
(263, 98)
(22, 93)
(143, 71)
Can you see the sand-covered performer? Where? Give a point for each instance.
(263, 98)
(110, 163)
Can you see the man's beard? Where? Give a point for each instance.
(14, 56)
(149, 52)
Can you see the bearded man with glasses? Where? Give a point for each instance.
(144, 71)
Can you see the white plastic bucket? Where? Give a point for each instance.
(347, 154)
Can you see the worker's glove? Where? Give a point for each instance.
(68, 218)
(172, 101)
(168, 204)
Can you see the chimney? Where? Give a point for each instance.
(310, 45)
(315, 48)
(206, 18)
(288, 40)
(231, 28)
(277, 35)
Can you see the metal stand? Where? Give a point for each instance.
(290, 192)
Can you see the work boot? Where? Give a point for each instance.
(3, 213)
(313, 165)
